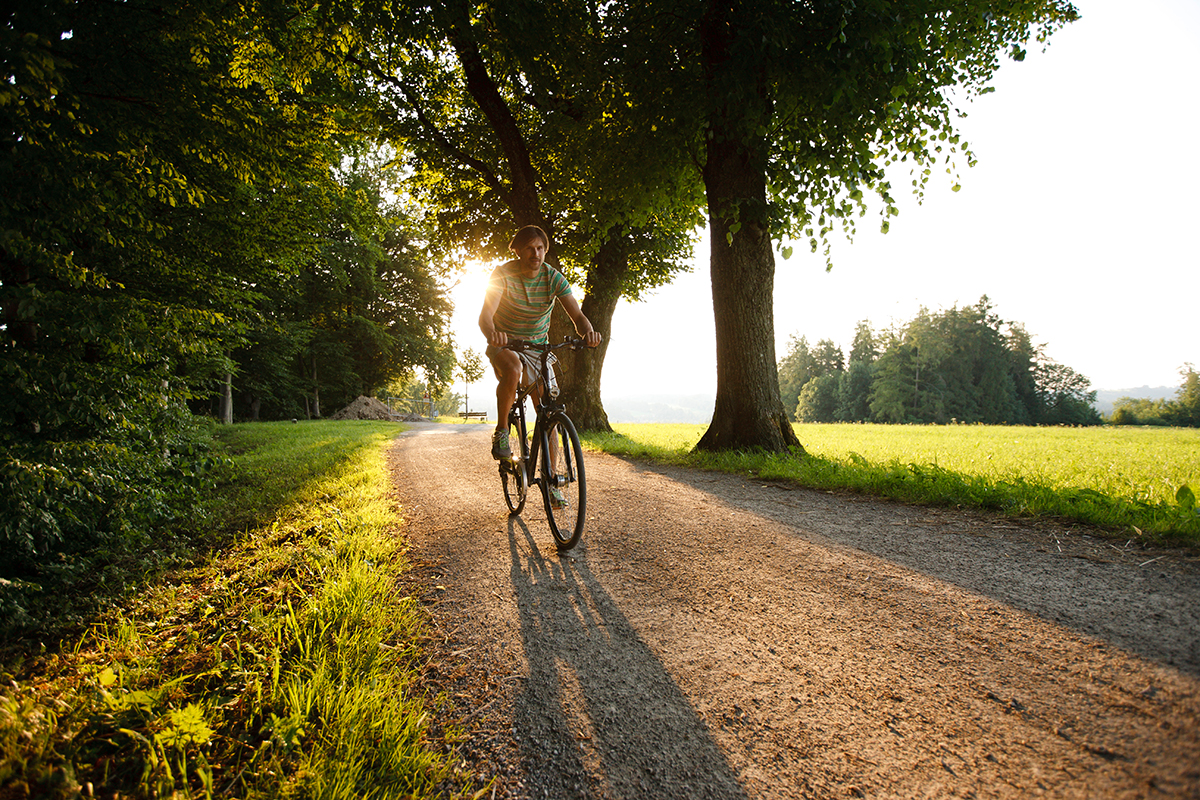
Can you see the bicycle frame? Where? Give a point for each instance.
(554, 460)
(545, 409)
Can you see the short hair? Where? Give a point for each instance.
(526, 234)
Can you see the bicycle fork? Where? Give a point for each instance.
(558, 481)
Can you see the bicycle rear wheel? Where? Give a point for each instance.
(514, 473)
(565, 474)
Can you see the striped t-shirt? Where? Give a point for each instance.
(526, 303)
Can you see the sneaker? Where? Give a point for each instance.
(557, 500)
(500, 450)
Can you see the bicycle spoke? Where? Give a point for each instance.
(564, 490)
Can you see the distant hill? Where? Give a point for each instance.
(1105, 398)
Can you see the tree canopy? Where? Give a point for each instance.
(167, 173)
(515, 113)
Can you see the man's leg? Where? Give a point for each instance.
(507, 366)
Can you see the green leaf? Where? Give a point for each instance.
(1186, 497)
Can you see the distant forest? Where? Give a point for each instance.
(963, 365)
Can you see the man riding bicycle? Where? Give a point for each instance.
(518, 303)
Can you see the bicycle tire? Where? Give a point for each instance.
(514, 474)
(567, 475)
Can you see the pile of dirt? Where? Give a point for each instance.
(365, 408)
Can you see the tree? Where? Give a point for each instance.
(363, 309)
(865, 346)
(819, 399)
(1023, 356)
(828, 359)
(162, 166)
(1140, 411)
(854, 392)
(795, 369)
(896, 380)
(470, 369)
(801, 106)
(1185, 408)
(1066, 396)
(519, 130)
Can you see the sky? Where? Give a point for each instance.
(1079, 221)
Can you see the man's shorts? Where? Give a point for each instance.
(532, 362)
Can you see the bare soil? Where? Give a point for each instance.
(717, 636)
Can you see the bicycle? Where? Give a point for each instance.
(562, 470)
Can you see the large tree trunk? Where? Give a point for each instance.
(580, 372)
(748, 413)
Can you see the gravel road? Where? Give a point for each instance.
(718, 636)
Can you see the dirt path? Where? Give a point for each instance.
(716, 636)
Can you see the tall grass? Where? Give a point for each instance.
(1138, 482)
(282, 664)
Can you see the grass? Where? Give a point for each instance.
(1134, 482)
(281, 663)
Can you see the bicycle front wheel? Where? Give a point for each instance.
(514, 473)
(564, 488)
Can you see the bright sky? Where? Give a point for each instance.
(1079, 221)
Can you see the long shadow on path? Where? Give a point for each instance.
(1150, 608)
(599, 715)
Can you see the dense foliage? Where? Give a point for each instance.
(961, 365)
(360, 312)
(174, 209)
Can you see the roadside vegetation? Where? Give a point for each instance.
(1136, 483)
(273, 657)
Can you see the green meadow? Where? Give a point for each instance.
(1137, 482)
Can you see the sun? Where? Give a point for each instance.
(466, 293)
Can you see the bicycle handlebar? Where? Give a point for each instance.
(519, 345)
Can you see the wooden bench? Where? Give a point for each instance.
(467, 415)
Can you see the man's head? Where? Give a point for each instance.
(530, 245)
(526, 235)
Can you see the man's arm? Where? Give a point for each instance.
(491, 302)
(583, 326)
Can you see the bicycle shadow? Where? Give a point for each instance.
(599, 716)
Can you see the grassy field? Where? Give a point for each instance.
(1130, 481)
(279, 662)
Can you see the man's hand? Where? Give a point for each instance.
(592, 338)
(498, 338)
